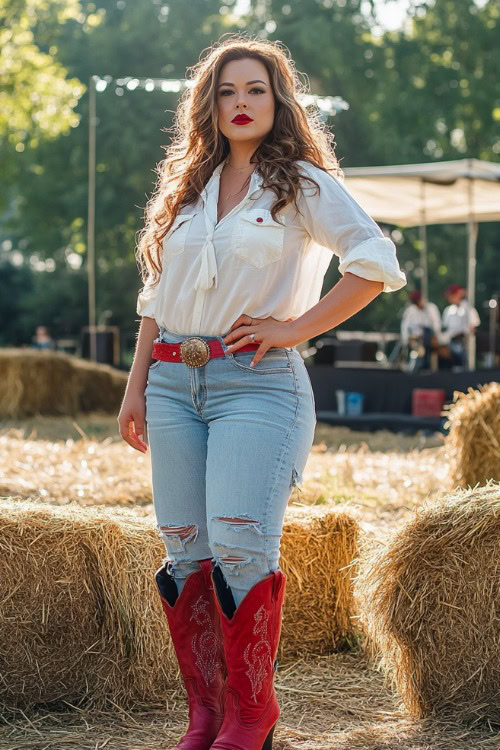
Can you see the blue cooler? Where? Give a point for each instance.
(354, 403)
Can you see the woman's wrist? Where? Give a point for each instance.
(137, 379)
(138, 376)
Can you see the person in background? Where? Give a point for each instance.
(42, 339)
(459, 319)
(420, 328)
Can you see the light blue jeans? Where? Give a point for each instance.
(228, 442)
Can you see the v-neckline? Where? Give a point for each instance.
(218, 222)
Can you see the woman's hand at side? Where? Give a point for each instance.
(131, 421)
(132, 416)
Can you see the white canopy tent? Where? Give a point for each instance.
(447, 192)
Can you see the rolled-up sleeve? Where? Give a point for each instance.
(335, 220)
(146, 299)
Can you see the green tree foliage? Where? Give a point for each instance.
(37, 99)
(436, 96)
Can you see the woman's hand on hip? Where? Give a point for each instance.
(268, 332)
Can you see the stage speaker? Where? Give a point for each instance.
(326, 349)
(107, 344)
(356, 350)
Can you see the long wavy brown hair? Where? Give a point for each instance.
(198, 146)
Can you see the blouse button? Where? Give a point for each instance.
(259, 219)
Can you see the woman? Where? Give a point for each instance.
(236, 243)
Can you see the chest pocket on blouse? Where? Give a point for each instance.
(174, 241)
(259, 239)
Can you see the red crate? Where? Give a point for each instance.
(427, 402)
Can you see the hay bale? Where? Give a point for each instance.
(430, 602)
(316, 548)
(43, 382)
(81, 615)
(473, 441)
(79, 611)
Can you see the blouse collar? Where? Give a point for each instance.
(256, 181)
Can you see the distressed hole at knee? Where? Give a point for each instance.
(182, 532)
(233, 563)
(176, 537)
(240, 524)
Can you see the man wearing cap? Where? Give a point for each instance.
(459, 319)
(422, 320)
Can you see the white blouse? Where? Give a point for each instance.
(459, 318)
(416, 318)
(248, 263)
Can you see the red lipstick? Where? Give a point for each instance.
(241, 119)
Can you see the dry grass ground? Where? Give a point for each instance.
(334, 702)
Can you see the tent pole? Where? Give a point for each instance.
(422, 231)
(471, 287)
(471, 266)
(493, 307)
(91, 220)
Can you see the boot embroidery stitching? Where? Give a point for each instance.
(258, 656)
(205, 645)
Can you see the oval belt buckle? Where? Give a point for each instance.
(195, 352)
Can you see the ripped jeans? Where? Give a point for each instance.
(228, 442)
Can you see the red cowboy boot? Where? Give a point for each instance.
(196, 635)
(251, 635)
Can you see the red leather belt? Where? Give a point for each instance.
(194, 351)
